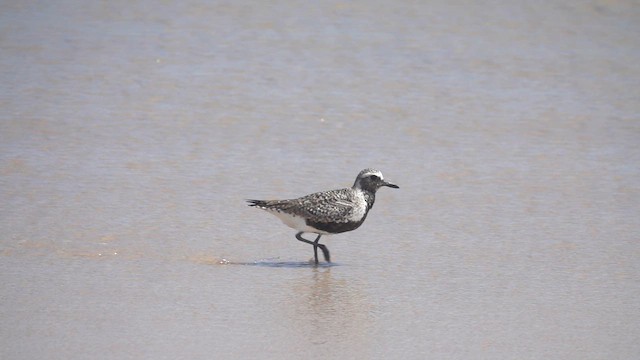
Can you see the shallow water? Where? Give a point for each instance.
(130, 135)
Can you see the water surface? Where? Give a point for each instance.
(131, 133)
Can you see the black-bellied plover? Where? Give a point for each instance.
(328, 212)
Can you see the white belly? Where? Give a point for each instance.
(296, 222)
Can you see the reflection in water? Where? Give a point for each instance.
(210, 260)
(288, 264)
(325, 313)
(331, 313)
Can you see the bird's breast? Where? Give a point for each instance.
(360, 207)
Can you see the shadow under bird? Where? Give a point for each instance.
(328, 212)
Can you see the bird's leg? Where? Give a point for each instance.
(316, 245)
(315, 252)
(325, 250)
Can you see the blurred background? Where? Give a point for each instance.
(132, 132)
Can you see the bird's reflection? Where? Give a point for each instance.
(331, 311)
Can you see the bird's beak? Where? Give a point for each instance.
(390, 185)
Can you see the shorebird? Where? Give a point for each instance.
(328, 212)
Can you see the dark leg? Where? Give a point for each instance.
(325, 250)
(315, 244)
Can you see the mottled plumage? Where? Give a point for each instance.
(328, 212)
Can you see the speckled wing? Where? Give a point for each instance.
(326, 206)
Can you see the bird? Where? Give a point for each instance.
(328, 212)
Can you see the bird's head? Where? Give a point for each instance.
(371, 180)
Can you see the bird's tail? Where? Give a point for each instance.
(258, 203)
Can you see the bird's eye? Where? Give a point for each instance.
(374, 177)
